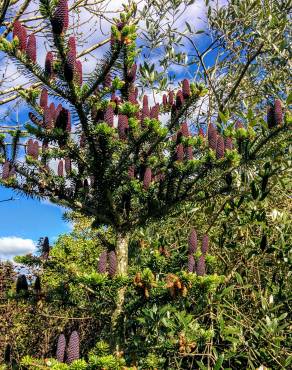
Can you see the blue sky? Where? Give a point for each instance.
(29, 218)
(24, 220)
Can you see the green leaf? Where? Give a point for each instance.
(189, 27)
(289, 99)
(201, 366)
(219, 363)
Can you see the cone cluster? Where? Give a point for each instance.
(107, 263)
(200, 267)
(71, 352)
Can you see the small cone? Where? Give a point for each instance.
(201, 132)
(193, 242)
(179, 99)
(171, 98)
(61, 347)
(154, 113)
(147, 178)
(31, 48)
(220, 148)
(21, 284)
(164, 100)
(205, 244)
(44, 98)
(278, 112)
(29, 147)
(61, 168)
(179, 152)
(49, 65)
(68, 165)
(228, 143)
(73, 348)
(69, 66)
(109, 116)
(60, 18)
(212, 137)
(37, 285)
(123, 126)
(45, 251)
(79, 75)
(16, 29)
(102, 263)
(72, 44)
(184, 129)
(22, 39)
(6, 170)
(131, 75)
(186, 90)
(112, 260)
(191, 263)
(189, 153)
(201, 266)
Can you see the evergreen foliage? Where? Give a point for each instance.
(154, 275)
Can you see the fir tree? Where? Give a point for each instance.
(169, 165)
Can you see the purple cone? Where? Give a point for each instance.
(123, 126)
(73, 347)
(191, 263)
(49, 64)
(179, 153)
(205, 244)
(131, 75)
(109, 116)
(68, 165)
(6, 170)
(228, 143)
(60, 18)
(31, 48)
(193, 242)
(201, 266)
(278, 111)
(102, 263)
(112, 263)
(220, 148)
(184, 129)
(154, 112)
(61, 168)
(44, 98)
(186, 90)
(22, 39)
(69, 66)
(147, 178)
(61, 346)
(189, 153)
(212, 137)
(201, 132)
(164, 100)
(171, 98)
(179, 99)
(29, 147)
(72, 44)
(79, 75)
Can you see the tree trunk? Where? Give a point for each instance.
(122, 269)
(122, 253)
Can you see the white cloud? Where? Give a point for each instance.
(11, 246)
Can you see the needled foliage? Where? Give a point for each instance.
(178, 190)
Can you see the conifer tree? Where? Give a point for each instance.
(118, 161)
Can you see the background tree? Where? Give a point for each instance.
(125, 166)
